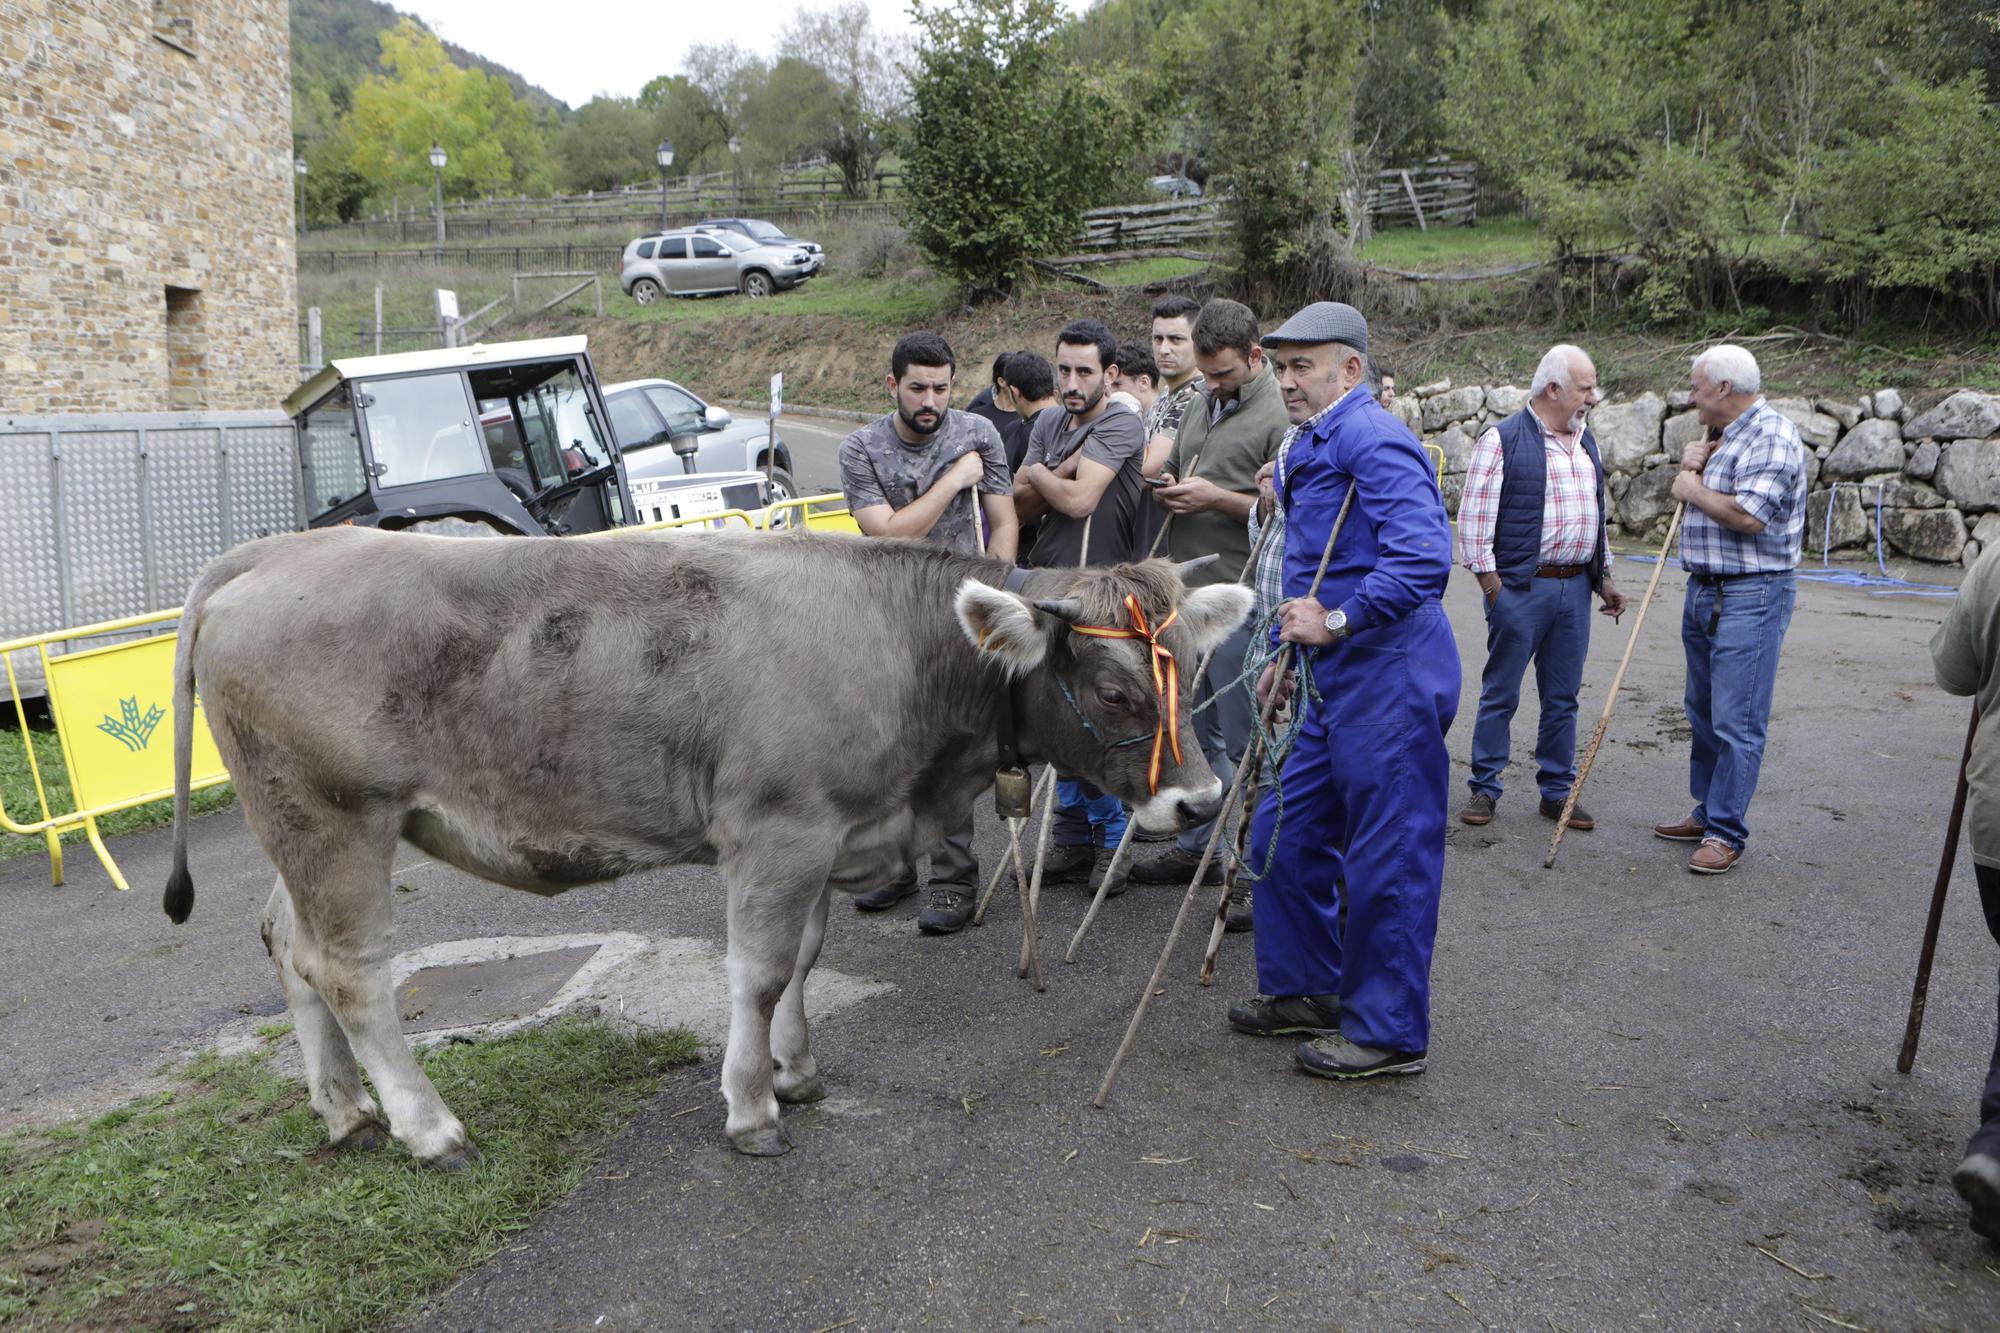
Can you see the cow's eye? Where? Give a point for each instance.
(1111, 698)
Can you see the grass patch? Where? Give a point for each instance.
(1453, 249)
(1138, 272)
(17, 790)
(216, 1205)
(875, 302)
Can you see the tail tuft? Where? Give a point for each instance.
(179, 897)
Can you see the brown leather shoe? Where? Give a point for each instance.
(1685, 830)
(1714, 857)
(1478, 810)
(1579, 818)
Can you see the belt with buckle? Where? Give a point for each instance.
(1560, 571)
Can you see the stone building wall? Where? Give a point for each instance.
(146, 190)
(1934, 474)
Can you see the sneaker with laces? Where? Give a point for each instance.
(1103, 864)
(949, 910)
(1287, 1015)
(1478, 810)
(1240, 917)
(1334, 1056)
(1177, 867)
(1064, 865)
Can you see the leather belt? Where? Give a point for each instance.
(1561, 571)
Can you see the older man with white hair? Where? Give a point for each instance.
(1531, 530)
(1745, 491)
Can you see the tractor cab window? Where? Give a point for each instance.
(330, 451)
(420, 429)
(539, 424)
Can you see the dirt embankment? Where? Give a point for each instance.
(835, 360)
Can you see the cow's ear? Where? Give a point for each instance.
(1001, 626)
(1212, 614)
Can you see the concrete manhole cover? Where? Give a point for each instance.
(457, 995)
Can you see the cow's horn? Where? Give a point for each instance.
(1187, 567)
(1062, 608)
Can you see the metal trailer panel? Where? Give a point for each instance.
(109, 515)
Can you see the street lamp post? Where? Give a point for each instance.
(299, 165)
(736, 168)
(664, 155)
(438, 160)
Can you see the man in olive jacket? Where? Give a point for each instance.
(1233, 430)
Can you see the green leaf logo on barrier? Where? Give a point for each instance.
(134, 729)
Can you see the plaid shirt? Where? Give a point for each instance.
(1762, 465)
(1571, 520)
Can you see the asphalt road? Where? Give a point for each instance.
(1654, 1099)
(815, 446)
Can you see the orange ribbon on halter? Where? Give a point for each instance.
(1166, 680)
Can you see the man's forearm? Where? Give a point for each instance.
(1077, 499)
(1028, 502)
(1724, 510)
(1236, 504)
(917, 518)
(1003, 541)
(1158, 450)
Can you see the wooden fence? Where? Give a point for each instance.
(1439, 191)
(481, 258)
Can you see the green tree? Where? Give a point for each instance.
(686, 117)
(421, 98)
(1919, 204)
(1005, 147)
(1270, 90)
(790, 114)
(608, 143)
(869, 89)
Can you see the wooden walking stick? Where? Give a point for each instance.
(1611, 695)
(1920, 994)
(1284, 662)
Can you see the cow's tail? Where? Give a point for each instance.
(179, 897)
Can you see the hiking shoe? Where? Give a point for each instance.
(1177, 867)
(1478, 810)
(950, 908)
(1065, 865)
(1977, 1181)
(1714, 857)
(1240, 917)
(1579, 818)
(886, 897)
(1684, 830)
(1335, 1056)
(1103, 864)
(1287, 1015)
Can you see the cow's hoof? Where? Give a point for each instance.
(452, 1163)
(365, 1138)
(809, 1091)
(769, 1142)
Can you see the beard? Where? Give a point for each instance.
(1089, 403)
(917, 427)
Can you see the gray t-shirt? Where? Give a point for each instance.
(877, 467)
(1117, 439)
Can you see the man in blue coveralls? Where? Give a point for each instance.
(1365, 786)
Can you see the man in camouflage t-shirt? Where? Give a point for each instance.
(927, 472)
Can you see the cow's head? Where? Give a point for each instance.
(1096, 668)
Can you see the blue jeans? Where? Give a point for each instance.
(1549, 621)
(1224, 729)
(1986, 1138)
(1085, 816)
(1732, 629)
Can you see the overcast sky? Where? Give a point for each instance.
(577, 49)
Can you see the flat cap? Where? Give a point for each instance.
(1323, 322)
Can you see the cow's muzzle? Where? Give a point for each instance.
(1177, 808)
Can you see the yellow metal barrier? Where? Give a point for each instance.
(721, 518)
(819, 513)
(1437, 453)
(113, 710)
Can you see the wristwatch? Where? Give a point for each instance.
(1336, 624)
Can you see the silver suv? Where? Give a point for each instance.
(699, 263)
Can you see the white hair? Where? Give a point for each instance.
(1558, 367)
(1728, 363)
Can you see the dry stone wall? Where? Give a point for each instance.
(145, 206)
(1934, 475)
